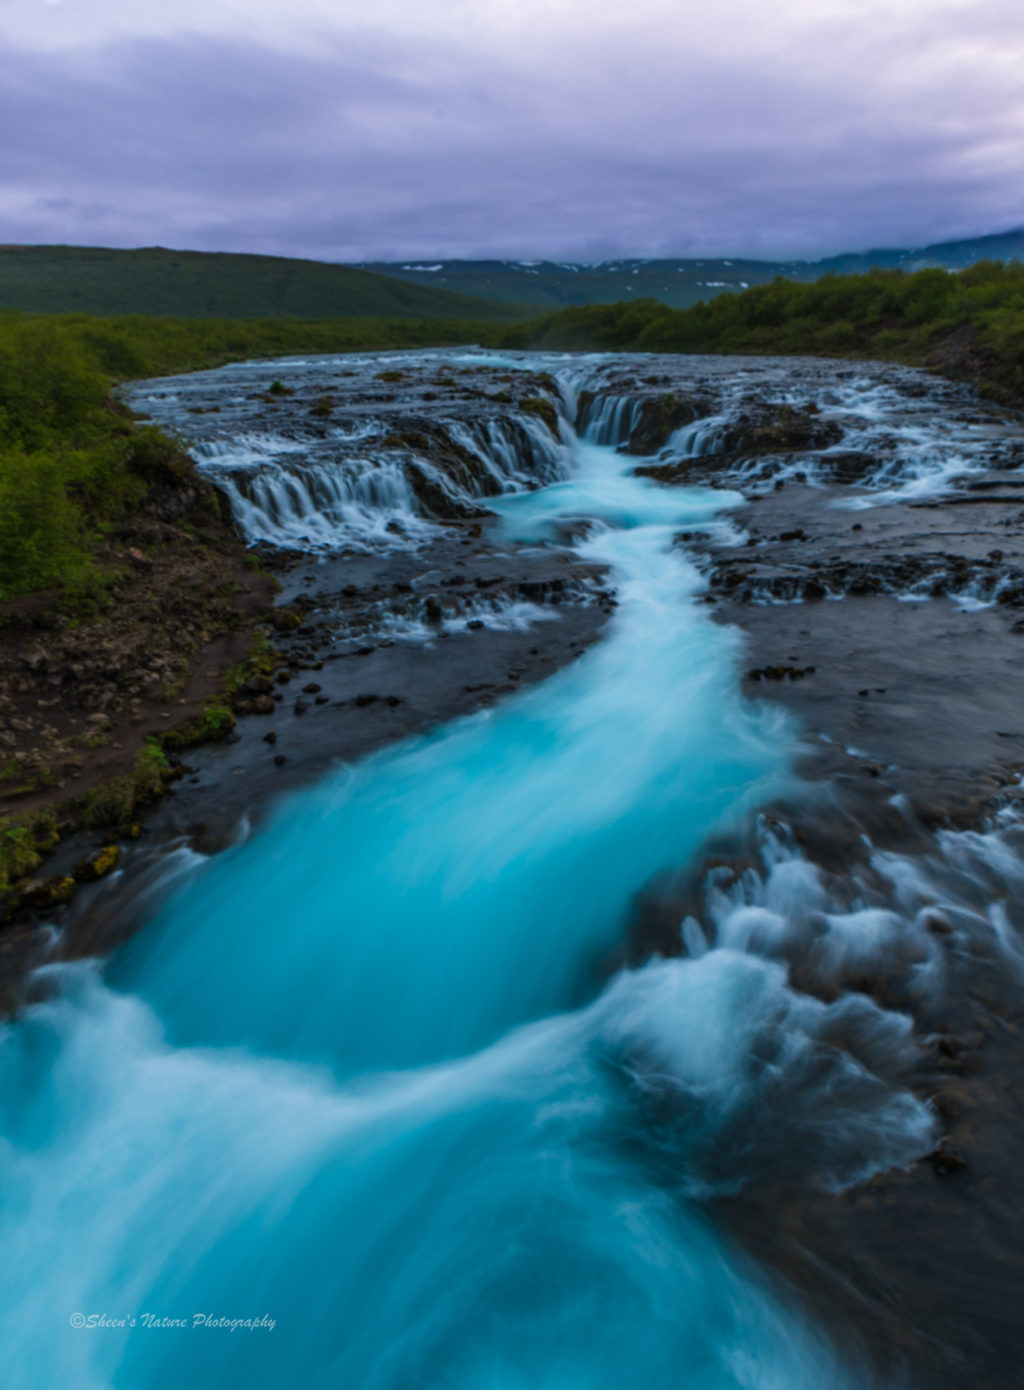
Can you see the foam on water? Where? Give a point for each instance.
(371, 1073)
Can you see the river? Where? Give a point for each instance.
(372, 1087)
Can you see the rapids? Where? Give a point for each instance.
(373, 1079)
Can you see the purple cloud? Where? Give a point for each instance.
(370, 145)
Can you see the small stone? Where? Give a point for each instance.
(946, 1160)
(270, 736)
(98, 864)
(47, 892)
(475, 624)
(311, 689)
(280, 760)
(300, 707)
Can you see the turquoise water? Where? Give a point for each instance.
(365, 1076)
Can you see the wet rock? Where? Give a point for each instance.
(300, 706)
(97, 864)
(660, 417)
(270, 736)
(946, 1159)
(361, 701)
(40, 894)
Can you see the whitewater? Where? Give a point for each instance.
(371, 1101)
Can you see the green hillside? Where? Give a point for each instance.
(199, 284)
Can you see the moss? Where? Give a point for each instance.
(287, 619)
(98, 864)
(213, 725)
(389, 376)
(119, 800)
(18, 778)
(43, 894)
(543, 409)
(24, 840)
(322, 407)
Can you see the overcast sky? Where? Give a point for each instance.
(571, 129)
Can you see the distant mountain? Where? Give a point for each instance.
(199, 284)
(676, 282)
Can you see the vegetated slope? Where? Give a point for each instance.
(679, 283)
(73, 463)
(198, 284)
(968, 325)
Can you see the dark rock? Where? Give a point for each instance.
(41, 894)
(946, 1159)
(98, 864)
(660, 417)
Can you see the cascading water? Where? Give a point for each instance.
(360, 1078)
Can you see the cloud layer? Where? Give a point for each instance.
(562, 129)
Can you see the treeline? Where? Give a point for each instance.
(969, 324)
(72, 461)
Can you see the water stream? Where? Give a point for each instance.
(372, 1078)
